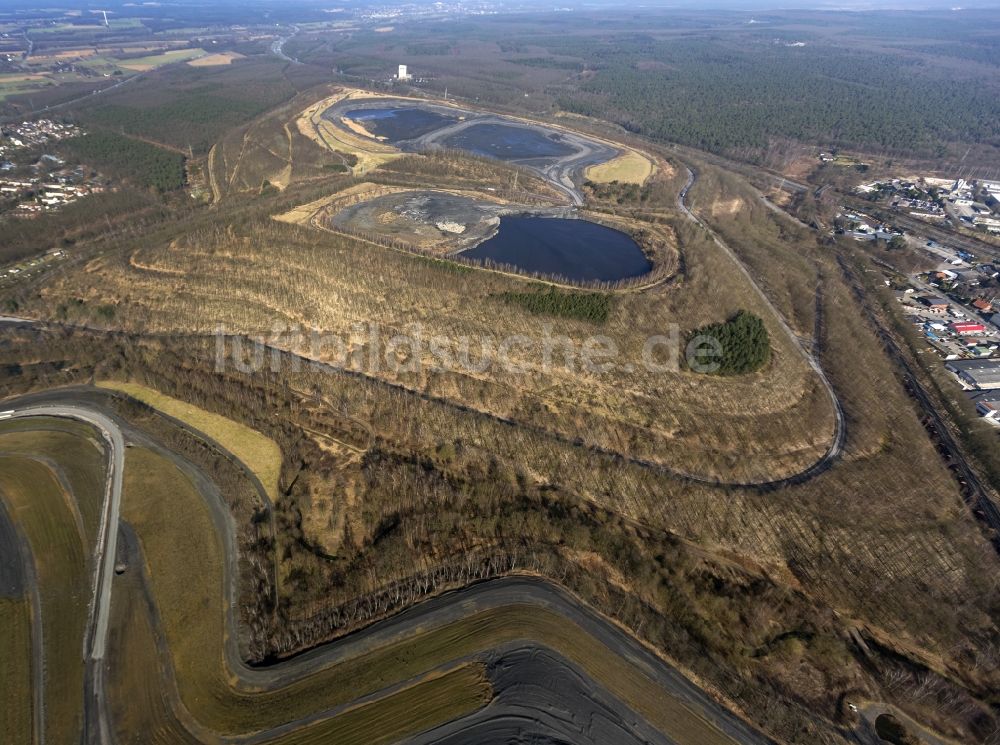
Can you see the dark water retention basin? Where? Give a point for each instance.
(578, 250)
(400, 123)
(508, 142)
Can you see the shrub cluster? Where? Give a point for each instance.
(583, 306)
(745, 344)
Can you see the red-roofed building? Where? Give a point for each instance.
(984, 306)
(964, 328)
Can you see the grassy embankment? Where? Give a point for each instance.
(79, 453)
(82, 466)
(192, 611)
(15, 671)
(54, 528)
(257, 452)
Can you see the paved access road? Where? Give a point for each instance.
(588, 712)
(107, 536)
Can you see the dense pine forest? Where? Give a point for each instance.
(697, 95)
(583, 306)
(897, 84)
(140, 162)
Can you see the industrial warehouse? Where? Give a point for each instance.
(982, 374)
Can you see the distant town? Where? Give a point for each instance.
(33, 181)
(974, 204)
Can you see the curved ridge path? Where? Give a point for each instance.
(563, 173)
(803, 345)
(95, 641)
(539, 693)
(559, 174)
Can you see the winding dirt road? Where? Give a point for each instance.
(588, 710)
(806, 347)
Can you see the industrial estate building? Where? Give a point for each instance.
(965, 328)
(982, 374)
(934, 304)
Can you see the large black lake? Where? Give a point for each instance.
(575, 249)
(508, 142)
(400, 123)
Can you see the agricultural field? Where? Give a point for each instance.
(21, 83)
(211, 60)
(145, 64)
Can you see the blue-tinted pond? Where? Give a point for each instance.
(401, 123)
(578, 250)
(508, 142)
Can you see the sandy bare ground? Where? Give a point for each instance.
(631, 167)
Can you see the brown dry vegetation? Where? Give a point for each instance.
(270, 149)
(754, 592)
(471, 508)
(191, 614)
(331, 283)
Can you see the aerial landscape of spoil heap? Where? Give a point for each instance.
(517, 393)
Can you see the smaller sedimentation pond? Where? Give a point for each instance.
(578, 250)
